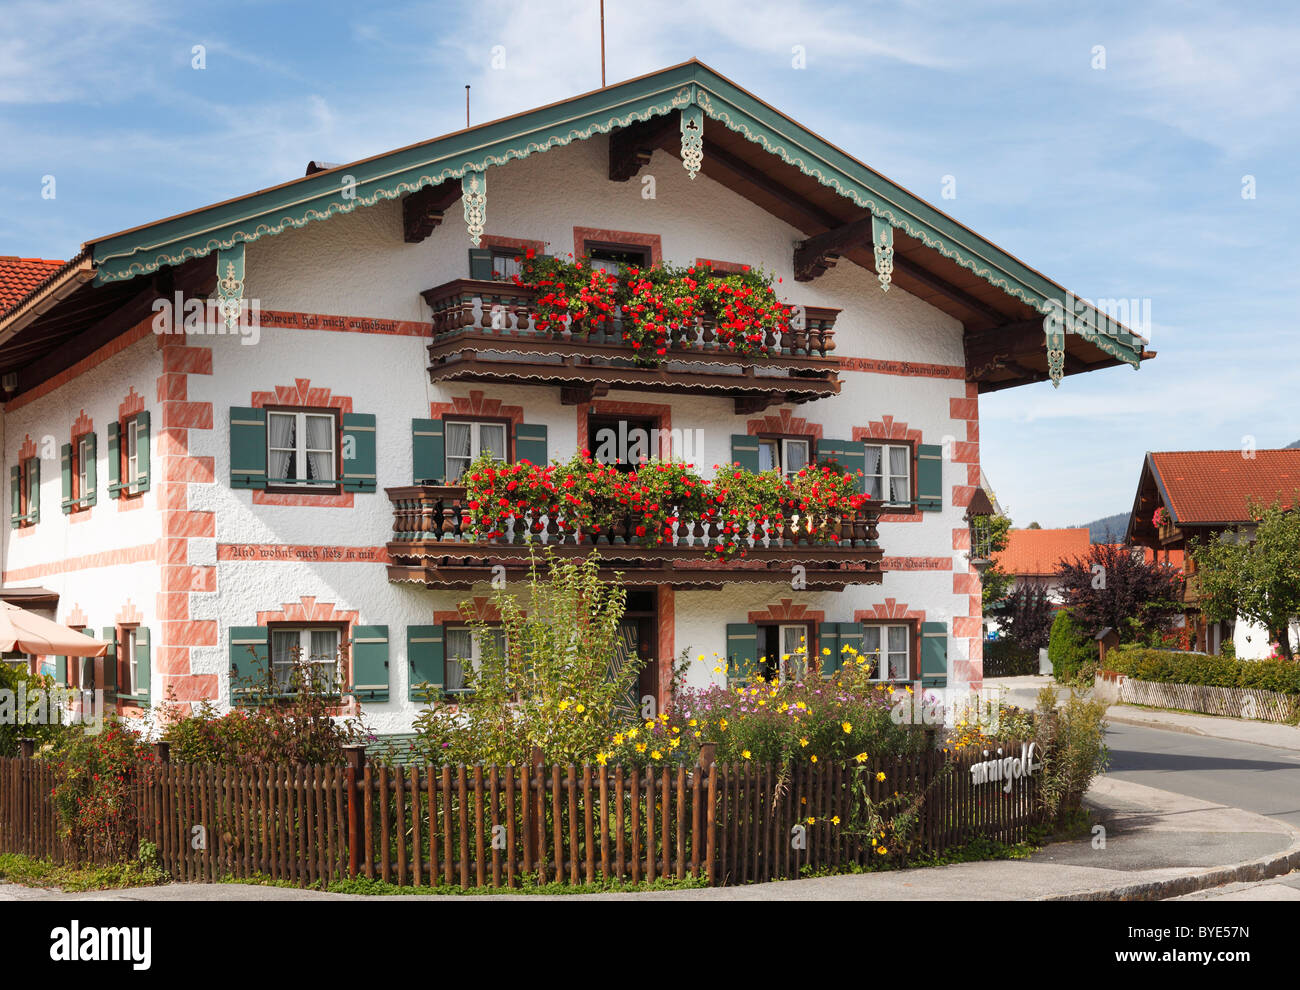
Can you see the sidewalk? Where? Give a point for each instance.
(1157, 845)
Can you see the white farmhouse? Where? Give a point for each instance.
(202, 498)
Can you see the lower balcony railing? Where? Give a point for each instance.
(434, 544)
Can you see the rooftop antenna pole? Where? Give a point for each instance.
(467, 104)
(602, 44)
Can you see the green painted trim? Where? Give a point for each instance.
(692, 87)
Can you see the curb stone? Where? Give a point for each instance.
(1249, 871)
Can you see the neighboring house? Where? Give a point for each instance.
(204, 495)
(1032, 556)
(1202, 493)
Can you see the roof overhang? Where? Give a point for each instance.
(1021, 326)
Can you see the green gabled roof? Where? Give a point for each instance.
(682, 87)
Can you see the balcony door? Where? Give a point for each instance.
(623, 441)
(640, 625)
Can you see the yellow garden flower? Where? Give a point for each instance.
(564, 704)
(882, 850)
(803, 742)
(692, 723)
(618, 739)
(881, 775)
(722, 724)
(835, 820)
(581, 708)
(861, 757)
(847, 727)
(745, 754)
(814, 759)
(640, 747)
(656, 755)
(812, 821)
(601, 758)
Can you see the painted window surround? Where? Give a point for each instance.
(303, 395)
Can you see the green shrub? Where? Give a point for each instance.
(95, 778)
(1070, 647)
(33, 723)
(1073, 740)
(1172, 667)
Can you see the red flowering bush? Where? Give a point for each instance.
(95, 777)
(661, 305)
(565, 288)
(745, 310)
(585, 500)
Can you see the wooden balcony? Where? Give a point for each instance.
(486, 331)
(432, 545)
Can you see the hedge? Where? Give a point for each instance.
(1069, 648)
(1173, 667)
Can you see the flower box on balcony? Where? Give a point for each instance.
(488, 331)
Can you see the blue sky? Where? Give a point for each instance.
(1119, 182)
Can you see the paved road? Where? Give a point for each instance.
(1261, 779)
(1256, 778)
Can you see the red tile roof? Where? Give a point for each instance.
(18, 276)
(1214, 486)
(1037, 552)
(1152, 556)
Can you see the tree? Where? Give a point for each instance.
(988, 538)
(1033, 525)
(1115, 586)
(1256, 577)
(1027, 617)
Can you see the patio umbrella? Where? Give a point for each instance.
(27, 632)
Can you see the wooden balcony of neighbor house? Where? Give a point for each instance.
(433, 545)
(486, 331)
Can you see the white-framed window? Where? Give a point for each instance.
(466, 440)
(887, 648)
(83, 462)
(794, 653)
(126, 645)
(787, 455)
(464, 652)
(131, 443)
(889, 473)
(300, 448)
(315, 649)
(506, 264)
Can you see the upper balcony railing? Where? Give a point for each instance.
(487, 330)
(434, 543)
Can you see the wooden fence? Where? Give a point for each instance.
(504, 826)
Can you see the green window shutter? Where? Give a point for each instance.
(744, 451)
(110, 661)
(61, 670)
(428, 452)
(425, 655)
(249, 661)
(34, 490)
(90, 496)
(142, 664)
(65, 474)
(115, 460)
(247, 447)
(934, 654)
(142, 451)
(15, 496)
(929, 477)
(742, 652)
(530, 443)
(828, 638)
(480, 263)
(370, 663)
(359, 472)
(849, 454)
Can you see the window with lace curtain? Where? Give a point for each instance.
(465, 440)
(889, 473)
(312, 650)
(301, 446)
